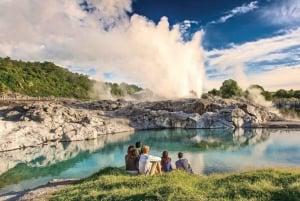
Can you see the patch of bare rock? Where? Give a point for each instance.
(33, 123)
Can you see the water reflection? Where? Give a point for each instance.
(208, 150)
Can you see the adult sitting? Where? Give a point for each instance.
(132, 161)
(183, 163)
(165, 162)
(149, 164)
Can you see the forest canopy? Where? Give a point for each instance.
(47, 79)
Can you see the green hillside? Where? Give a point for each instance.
(253, 185)
(47, 79)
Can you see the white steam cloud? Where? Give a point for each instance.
(106, 39)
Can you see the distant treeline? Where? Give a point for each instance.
(42, 79)
(230, 88)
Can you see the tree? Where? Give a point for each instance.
(230, 89)
(214, 92)
(281, 93)
(42, 79)
(268, 95)
(297, 94)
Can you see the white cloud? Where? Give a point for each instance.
(245, 8)
(257, 50)
(135, 48)
(283, 78)
(233, 62)
(283, 12)
(186, 25)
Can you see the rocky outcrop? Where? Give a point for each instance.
(195, 113)
(23, 125)
(30, 125)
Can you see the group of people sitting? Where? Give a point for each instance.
(139, 161)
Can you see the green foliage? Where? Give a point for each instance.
(214, 92)
(281, 93)
(205, 96)
(47, 79)
(268, 95)
(254, 185)
(42, 79)
(123, 89)
(230, 89)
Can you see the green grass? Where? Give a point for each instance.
(114, 184)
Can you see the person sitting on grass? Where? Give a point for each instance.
(183, 163)
(138, 146)
(132, 161)
(149, 164)
(166, 165)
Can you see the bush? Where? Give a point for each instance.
(230, 89)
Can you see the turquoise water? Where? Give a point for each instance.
(209, 151)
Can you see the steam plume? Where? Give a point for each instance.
(107, 40)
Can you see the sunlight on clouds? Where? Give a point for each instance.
(245, 8)
(154, 55)
(283, 78)
(233, 61)
(257, 50)
(283, 12)
(105, 38)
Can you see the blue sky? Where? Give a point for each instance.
(233, 23)
(160, 44)
(225, 22)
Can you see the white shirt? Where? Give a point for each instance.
(145, 163)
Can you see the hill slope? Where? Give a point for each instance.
(47, 79)
(114, 184)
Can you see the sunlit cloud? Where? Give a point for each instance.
(186, 25)
(245, 8)
(98, 34)
(262, 61)
(98, 37)
(283, 13)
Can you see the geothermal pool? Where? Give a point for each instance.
(209, 151)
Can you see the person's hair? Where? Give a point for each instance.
(165, 157)
(131, 151)
(180, 154)
(146, 149)
(138, 144)
(129, 148)
(165, 154)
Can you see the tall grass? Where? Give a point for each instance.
(114, 184)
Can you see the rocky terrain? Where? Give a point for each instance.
(31, 124)
(28, 124)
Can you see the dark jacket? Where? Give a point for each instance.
(132, 163)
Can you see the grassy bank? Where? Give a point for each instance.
(114, 184)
